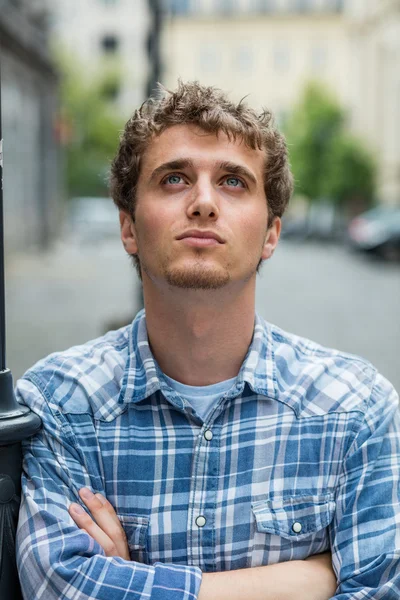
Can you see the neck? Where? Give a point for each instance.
(199, 337)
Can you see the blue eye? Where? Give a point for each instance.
(234, 182)
(173, 179)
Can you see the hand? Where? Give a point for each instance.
(104, 527)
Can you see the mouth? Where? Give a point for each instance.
(200, 238)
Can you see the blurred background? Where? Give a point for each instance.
(73, 71)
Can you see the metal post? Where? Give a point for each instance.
(153, 47)
(17, 423)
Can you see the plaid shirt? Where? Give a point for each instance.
(300, 456)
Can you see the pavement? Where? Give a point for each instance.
(66, 296)
(340, 299)
(75, 292)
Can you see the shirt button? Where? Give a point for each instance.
(200, 521)
(297, 527)
(208, 435)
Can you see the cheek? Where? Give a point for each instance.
(254, 229)
(149, 225)
(153, 230)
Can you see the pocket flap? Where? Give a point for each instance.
(294, 517)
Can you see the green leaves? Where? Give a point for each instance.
(327, 161)
(91, 125)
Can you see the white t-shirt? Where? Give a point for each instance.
(201, 397)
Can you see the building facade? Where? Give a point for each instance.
(269, 49)
(31, 163)
(107, 36)
(375, 53)
(268, 54)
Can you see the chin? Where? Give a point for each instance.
(198, 278)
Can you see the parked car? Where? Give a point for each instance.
(377, 232)
(321, 222)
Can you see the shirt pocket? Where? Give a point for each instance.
(290, 528)
(136, 531)
(294, 517)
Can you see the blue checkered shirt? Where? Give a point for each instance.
(300, 456)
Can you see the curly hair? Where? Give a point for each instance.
(210, 109)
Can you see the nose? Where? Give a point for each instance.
(204, 202)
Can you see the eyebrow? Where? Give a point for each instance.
(184, 163)
(172, 165)
(238, 170)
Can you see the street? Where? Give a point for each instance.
(75, 292)
(339, 299)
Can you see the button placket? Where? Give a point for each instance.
(202, 500)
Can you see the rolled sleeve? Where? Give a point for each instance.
(55, 558)
(365, 534)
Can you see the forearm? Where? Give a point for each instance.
(294, 580)
(44, 576)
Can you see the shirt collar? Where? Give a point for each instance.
(143, 378)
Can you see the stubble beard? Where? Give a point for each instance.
(197, 277)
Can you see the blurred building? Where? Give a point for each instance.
(29, 108)
(109, 39)
(268, 50)
(375, 29)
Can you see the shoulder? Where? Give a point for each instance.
(80, 379)
(317, 380)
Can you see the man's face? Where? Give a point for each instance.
(201, 213)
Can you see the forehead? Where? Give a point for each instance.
(203, 148)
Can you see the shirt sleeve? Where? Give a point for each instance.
(365, 534)
(56, 560)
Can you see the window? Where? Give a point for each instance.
(110, 44)
(303, 6)
(244, 59)
(264, 6)
(179, 7)
(281, 57)
(335, 5)
(226, 6)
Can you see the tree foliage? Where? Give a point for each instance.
(89, 128)
(327, 162)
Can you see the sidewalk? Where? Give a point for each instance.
(64, 297)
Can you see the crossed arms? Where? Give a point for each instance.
(312, 579)
(58, 559)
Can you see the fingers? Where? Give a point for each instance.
(105, 527)
(86, 523)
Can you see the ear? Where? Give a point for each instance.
(271, 239)
(128, 232)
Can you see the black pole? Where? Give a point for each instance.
(17, 423)
(153, 47)
(2, 277)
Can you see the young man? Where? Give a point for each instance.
(201, 452)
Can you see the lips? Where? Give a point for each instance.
(202, 234)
